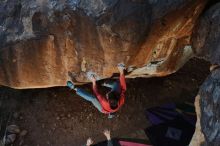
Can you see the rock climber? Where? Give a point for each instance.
(112, 101)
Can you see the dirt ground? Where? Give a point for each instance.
(58, 117)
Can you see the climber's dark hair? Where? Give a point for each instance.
(113, 98)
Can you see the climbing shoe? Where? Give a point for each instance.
(70, 84)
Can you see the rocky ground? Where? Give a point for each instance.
(57, 117)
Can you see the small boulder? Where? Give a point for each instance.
(9, 139)
(14, 129)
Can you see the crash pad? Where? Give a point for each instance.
(126, 143)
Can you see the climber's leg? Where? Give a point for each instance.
(89, 97)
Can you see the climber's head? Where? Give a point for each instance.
(113, 99)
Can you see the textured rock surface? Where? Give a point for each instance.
(206, 36)
(160, 7)
(210, 108)
(42, 40)
(205, 42)
(198, 138)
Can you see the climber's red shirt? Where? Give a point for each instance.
(103, 100)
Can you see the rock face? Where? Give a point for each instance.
(206, 44)
(198, 138)
(206, 36)
(210, 108)
(42, 40)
